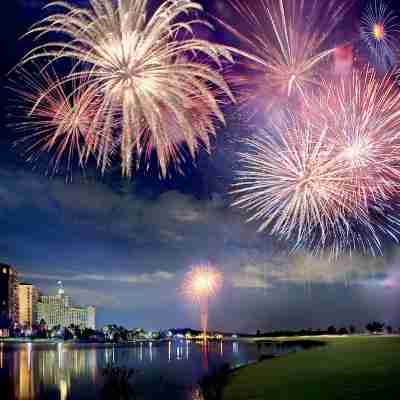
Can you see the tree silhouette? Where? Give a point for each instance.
(375, 326)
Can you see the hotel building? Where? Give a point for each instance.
(58, 310)
(28, 296)
(8, 298)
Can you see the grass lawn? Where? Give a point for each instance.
(346, 368)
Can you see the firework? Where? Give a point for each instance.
(200, 284)
(56, 118)
(147, 70)
(379, 30)
(289, 179)
(326, 179)
(284, 44)
(362, 115)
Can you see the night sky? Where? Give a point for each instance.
(124, 246)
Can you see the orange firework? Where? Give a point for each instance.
(380, 30)
(200, 284)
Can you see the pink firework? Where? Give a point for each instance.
(362, 114)
(284, 43)
(56, 117)
(327, 177)
(200, 284)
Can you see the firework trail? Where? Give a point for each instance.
(158, 84)
(55, 118)
(326, 178)
(200, 284)
(284, 44)
(380, 30)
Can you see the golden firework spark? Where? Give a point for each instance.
(147, 70)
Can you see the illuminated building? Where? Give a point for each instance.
(58, 310)
(28, 296)
(8, 298)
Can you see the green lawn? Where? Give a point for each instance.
(346, 368)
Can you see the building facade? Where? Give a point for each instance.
(8, 298)
(58, 311)
(28, 296)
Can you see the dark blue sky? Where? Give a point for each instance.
(124, 246)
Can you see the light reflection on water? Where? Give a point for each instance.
(71, 371)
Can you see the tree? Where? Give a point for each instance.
(375, 327)
(87, 334)
(42, 329)
(67, 334)
(343, 331)
(332, 330)
(389, 329)
(352, 329)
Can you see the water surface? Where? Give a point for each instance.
(63, 371)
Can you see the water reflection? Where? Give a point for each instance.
(141, 352)
(235, 347)
(151, 351)
(1, 355)
(26, 384)
(64, 371)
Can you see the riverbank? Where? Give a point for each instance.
(97, 343)
(354, 367)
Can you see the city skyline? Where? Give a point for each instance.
(24, 306)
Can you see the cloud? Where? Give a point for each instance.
(257, 270)
(141, 236)
(250, 277)
(94, 298)
(118, 247)
(140, 279)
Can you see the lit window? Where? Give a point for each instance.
(4, 270)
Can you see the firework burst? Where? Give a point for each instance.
(379, 30)
(200, 284)
(326, 179)
(289, 179)
(362, 115)
(147, 70)
(283, 44)
(55, 118)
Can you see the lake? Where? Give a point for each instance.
(70, 371)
